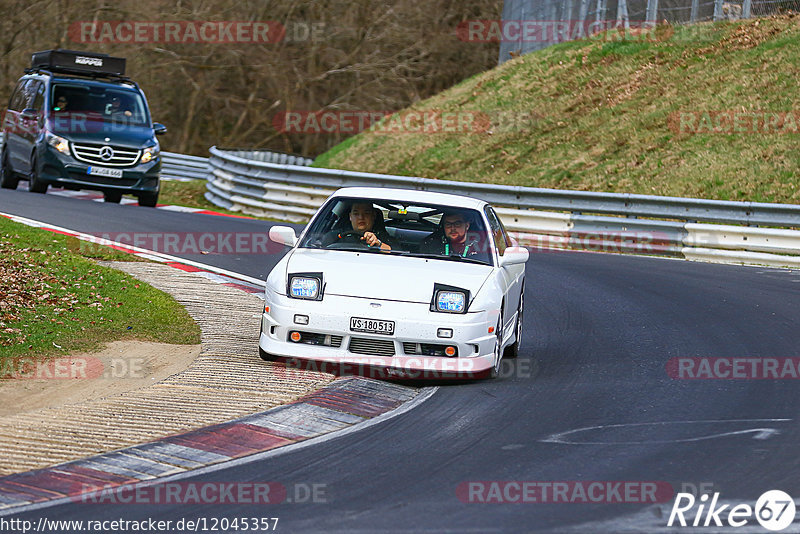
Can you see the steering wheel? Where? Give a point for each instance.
(358, 243)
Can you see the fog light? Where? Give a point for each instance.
(450, 351)
(444, 332)
(300, 319)
(295, 336)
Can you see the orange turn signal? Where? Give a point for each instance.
(491, 329)
(295, 336)
(450, 351)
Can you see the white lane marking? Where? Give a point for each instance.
(424, 394)
(760, 433)
(152, 253)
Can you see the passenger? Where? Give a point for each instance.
(452, 238)
(366, 222)
(61, 104)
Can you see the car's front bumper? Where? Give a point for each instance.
(62, 170)
(414, 324)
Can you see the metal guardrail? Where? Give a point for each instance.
(541, 218)
(257, 174)
(176, 166)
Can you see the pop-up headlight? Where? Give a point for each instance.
(449, 299)
(305, 286)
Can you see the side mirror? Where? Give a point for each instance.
(159, 128)
(514, 256)
(283, 235)
(29, 114)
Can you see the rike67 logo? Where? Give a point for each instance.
(774, 510)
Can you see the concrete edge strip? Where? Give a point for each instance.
(359, 402)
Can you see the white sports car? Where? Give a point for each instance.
(398, 284)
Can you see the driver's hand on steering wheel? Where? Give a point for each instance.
(372, 240)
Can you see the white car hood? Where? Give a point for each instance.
(385, 276)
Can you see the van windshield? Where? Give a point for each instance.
(98, 103)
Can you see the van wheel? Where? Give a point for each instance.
(112, 196)
(8, 180)
(148, 199)
(35, 184)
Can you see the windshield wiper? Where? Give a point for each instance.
(444, 257)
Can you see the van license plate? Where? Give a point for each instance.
(103, 171)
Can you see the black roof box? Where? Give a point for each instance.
(76, 62)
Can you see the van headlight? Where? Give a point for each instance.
(150, 153)
(303, 286)
(58, 142)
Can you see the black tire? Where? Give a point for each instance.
(512, 351)
(148, 200)
(35, 185)
(266, 356)
(112, 196)
(8, 179)
(494, 372)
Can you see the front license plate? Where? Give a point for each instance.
(371, 326)
(103, 171)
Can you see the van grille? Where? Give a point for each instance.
(373, 347)
(115, 156)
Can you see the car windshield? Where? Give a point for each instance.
(113, 104)
(410, 229)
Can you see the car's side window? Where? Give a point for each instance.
(18, 98)
(38, 99)
(498, 232)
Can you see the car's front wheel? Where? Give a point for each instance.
(148, 200)
(8, 180)
(266, 356)
(112, 196)
(35, 183)
(498, 348)
(512, 351)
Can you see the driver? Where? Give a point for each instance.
(363, 217)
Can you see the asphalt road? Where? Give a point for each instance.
(599, 331)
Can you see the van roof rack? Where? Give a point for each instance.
(77, 63)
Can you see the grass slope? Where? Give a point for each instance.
(54, 300)
(605, 116)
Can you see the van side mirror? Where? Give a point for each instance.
(29, 114)
(159, 128)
